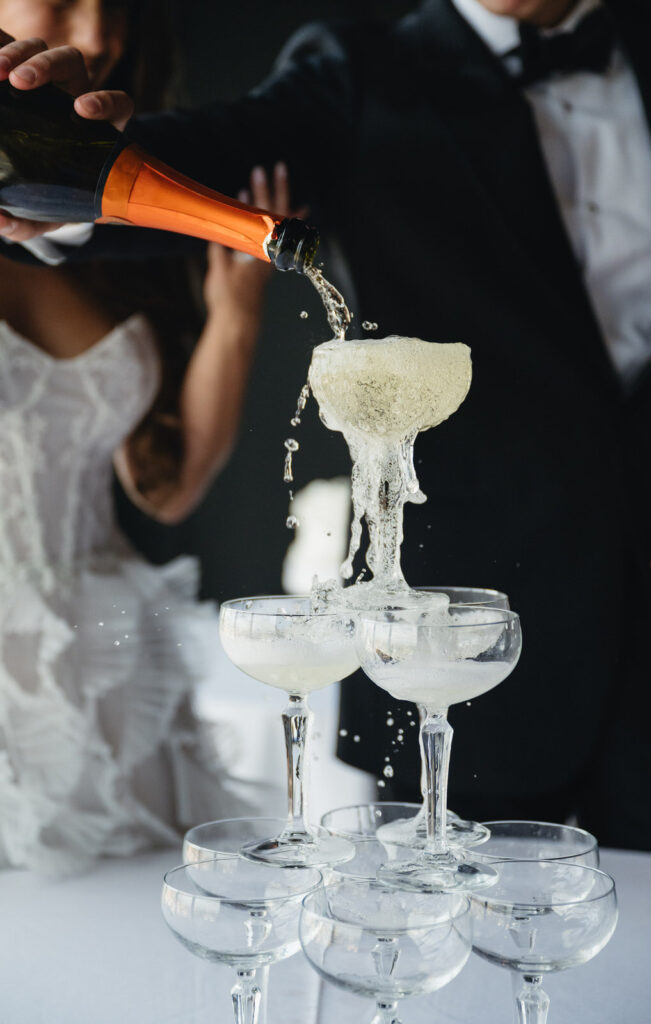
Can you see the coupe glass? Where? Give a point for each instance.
(385, 944)
(539, 840)
(412, 832)
(361, 821)
(539, 917)
(284, 642)
(437, 657)
(231, 911)
(226, 836)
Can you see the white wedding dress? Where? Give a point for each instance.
(99, 751)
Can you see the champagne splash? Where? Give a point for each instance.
(339, 318)
(380, 393)
(337, 312)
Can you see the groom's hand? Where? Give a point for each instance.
(28, 64)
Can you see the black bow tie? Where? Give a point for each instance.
(588, 48)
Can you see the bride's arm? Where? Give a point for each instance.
(213, 389)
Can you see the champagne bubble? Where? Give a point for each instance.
(387, 771)
(291, 445)
(343, 732)
(304, 314)
(291, 522)
(369, 325)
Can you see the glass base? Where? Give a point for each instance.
(317, 850)
(443, 873)
(412, 832)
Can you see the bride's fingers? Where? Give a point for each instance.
(64, 66)
(106, 105)
(260, 188)
(281, 189)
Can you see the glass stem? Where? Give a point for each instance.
(263, 985)
(297, 719)
(386, 1013)
(531, 1001)
(246, 998)
(422, 715)
(435, 743)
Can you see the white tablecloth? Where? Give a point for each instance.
(95, 950)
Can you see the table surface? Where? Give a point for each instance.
(95, 950)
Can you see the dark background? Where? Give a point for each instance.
(239, 531)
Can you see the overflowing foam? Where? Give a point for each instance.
(380, 393)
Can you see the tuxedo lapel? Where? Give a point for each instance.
(495, 134)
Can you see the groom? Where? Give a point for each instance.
(485, 167)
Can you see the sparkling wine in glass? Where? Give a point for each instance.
(412, 831)
(434, 658)
(284, 642)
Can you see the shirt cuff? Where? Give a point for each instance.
(46, 247)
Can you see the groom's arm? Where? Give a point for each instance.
(303, 114)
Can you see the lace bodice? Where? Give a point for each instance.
(61, 420)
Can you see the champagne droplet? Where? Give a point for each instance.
(292, 446)
(291, 522)
(387, 771)
(304, 314)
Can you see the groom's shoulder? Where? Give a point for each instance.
(352, 46)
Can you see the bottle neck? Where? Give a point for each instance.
(142, 191)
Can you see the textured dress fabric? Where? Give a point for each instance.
(99, 650)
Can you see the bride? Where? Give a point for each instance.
(99, 751)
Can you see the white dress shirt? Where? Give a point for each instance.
(596, 143)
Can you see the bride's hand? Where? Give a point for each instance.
(28, 64)
(234, 284)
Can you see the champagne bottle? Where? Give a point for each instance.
(57, 166)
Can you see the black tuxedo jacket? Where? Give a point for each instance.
(418, 155)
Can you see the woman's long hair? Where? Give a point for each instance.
(166, 290)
